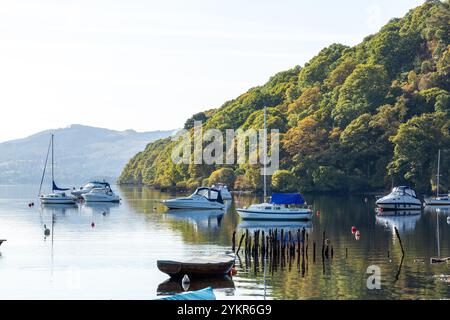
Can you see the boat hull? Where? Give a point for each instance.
(57, 201)
(437, 202)
(187, 204)
(247, 214)
(88, 198)
(400, 206)
(202, 268)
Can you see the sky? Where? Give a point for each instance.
(149, 65)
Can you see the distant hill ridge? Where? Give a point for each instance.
(81, 153)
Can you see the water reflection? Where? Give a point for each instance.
(103, 208)
(200, 219)
(134, 235)
(404, 220)
(172, 286)
(292, 226)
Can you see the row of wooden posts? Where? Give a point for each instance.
(280, 248)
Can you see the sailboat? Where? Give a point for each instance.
(282, 206)
(58, 196)
(439, 200)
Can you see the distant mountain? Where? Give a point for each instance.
(81, 153)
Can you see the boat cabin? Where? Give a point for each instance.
(404, 190)
(210, 194)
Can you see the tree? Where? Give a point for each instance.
(363, 91)
(284, 181)
(416, 144)
(223, 175)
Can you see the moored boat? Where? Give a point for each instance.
(402, 197)
(58, 195)
(202, 198)
(283, 206)
(206, 266)
(224, 192)
(101, 195)
(438, 200)
(89, 186)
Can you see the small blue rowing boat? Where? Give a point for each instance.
(204, 294)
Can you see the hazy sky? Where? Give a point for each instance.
(149, 65)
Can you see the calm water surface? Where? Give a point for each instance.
(116, 259)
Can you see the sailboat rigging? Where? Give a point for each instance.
(58, 196)
(282, 206)
(439, 200)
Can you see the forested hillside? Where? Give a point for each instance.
(352, 118)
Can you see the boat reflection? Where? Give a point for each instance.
(201, 219)
(58, 208)
(437, 209)
(403, 220)
(266, 225)
(171, 286)
(103, 208)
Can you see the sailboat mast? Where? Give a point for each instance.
(45, 167)
(438, 173)
(265, 153)
(53, 163)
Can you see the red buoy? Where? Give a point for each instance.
(354, 230)
(233, 271)
(318, 213)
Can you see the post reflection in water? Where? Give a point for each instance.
(110, 251)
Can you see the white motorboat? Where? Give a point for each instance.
(202, 198)
(439, 200)
(58, 196)
(401, 197)
(101, 195)
(89, 186)
(224, 192)
(283, 206)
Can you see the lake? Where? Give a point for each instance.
(109, 251)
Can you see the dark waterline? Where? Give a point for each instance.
(116, 259)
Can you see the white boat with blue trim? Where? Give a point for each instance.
(283, 206)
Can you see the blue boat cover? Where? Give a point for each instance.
(204, 294)
(287, 198)
(55, 187)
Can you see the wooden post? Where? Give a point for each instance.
(346, 253)
(399, 240)
(233, 241)
(314, 251)
(240, 243)
(323, 244)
